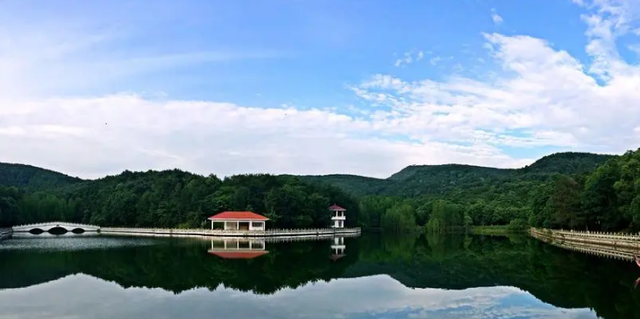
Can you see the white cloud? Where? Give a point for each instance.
(544, 95)
(409, 57)
(497, 19)
(435, 60)
(93, 136)
(541, 97)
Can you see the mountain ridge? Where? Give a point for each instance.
(416, 180)
(36, 178)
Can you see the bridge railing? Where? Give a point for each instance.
(222, 231)
(56, 223)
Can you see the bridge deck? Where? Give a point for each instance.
(49, 225)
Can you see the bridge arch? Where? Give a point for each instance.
(46, 227)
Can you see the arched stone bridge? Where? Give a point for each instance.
(45, 227)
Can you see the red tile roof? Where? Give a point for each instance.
(238, 215)
(238, 254)
(336, 207)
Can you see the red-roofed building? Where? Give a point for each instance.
(338, 217)
(239, 220)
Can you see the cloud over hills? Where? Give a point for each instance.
(56, 110)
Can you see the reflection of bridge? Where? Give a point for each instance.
(45, 227)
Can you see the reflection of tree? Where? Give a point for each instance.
(559, 277)
(181, 265)
(564, 279)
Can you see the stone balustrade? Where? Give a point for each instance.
(607, 244)
(231, 233)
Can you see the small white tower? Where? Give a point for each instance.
(338, 216)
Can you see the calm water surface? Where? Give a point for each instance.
(77, 276)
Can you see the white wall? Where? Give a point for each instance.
(256, 226)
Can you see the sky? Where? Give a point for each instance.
(91, 88)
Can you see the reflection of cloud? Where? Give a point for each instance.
(343, 298)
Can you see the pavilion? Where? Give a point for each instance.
(239, 220)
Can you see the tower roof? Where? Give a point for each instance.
(336, 207)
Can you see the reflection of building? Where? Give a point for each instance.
(239, 220)
(338, 216)
(230, 248)
(337, 248)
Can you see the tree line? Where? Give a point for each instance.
(608, 198)
(175, 198)
(567, 190)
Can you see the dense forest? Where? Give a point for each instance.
(569, 190)
(175, 198)
(564, 190)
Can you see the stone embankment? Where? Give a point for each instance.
(169, 232)
(605, 244)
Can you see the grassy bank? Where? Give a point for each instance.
(496, 230)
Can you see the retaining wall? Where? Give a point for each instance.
(606, 244)
(310, 233)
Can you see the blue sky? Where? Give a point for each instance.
(272, 86)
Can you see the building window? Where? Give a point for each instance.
(257, 224)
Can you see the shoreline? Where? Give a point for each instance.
(169, 232)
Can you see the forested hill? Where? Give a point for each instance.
(175, 198)
(32, 178)
(418, 180)
(437, 196)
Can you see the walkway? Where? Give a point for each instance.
(604, 244)
(310, 233)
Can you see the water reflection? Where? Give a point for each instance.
(338, 248)
(369, 297)
(238, 248)
(380, 277)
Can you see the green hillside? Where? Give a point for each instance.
(32, 178)
(175, 198)
(559, 190)
(418, 180)
(354, 184)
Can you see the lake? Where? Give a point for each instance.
(372, 276)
